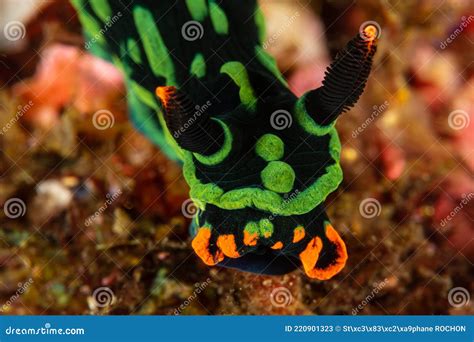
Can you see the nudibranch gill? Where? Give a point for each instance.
(259, 161)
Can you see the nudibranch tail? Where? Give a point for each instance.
(344, 80)
(192, 132)
(271, 247)
(322, 255)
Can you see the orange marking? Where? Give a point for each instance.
(164, 93)
(227, 244)
(277, 245)
(341, 251)
(250, 239)
(309, 257)
(201, 247)
(371, 33)
(298, 234)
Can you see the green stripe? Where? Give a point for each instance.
(198, 66)
(145, 96)
(134, 51)
(79, 5)
(260, 22)
(223, 152)
(155, 48)
(197, 9)
(269, 63)
(102, 9)
(238, 73)
(306, 121)
(91, 27)
(219, 19)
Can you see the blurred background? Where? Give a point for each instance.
(95, 219)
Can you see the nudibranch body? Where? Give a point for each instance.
(259, 161)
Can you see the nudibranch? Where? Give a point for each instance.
(259, 161)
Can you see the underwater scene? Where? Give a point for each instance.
(236, 157)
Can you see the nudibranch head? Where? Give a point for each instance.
(261, 170)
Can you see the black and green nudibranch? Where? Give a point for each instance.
(260, 189)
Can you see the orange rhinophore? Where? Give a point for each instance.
(164, 94)
(371, 33)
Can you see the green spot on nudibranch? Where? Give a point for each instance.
(307, 122)
(251, 227)
(102, 9)
(218, 18)
(134, 51)
(198, 66)
(220, 155)
(278, 176)
(266, 200)
(238, 73)
(264, 228)
(155, 49)
(269, 63)
(270, 147)
(197, 9)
